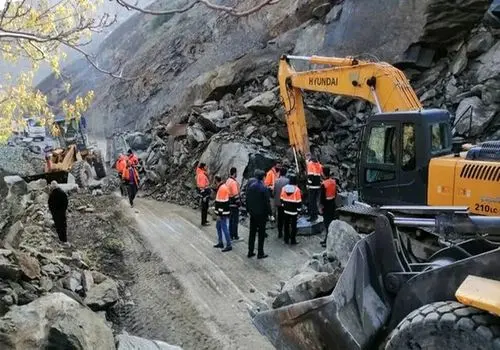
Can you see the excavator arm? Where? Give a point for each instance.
(376, 82)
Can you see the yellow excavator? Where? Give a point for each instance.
(406, 156)
(384, 298)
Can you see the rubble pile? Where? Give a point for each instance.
(49, 293)
(466, 82)
(21, 160)
(250, 121)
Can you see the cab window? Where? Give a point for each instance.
(408, 156)
(440, 140)
(382, 150)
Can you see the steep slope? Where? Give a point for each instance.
(193, 56)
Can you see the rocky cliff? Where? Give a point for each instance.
(215, 75)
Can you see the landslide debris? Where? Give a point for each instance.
(51, 294)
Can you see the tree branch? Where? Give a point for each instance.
(230, 10)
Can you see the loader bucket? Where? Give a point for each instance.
(352, 316)
(59, 176)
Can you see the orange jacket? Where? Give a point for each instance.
(202, 181)
(121, 164)
(234, 191)
(126, 175)
(222, 200)
(330, 186)
(291, 199)
(314, 172)
(271, 177)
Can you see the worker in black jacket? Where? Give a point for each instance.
(259, 207)
(58, 205)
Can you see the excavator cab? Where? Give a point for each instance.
(395, 154)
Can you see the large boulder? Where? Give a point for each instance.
(488, 66)
(264, 103)
(479, 43)
(341, 240)
(9, 270)
(29, 265)
(130, 342)
(139, 141)
(220, 157)
(305, 286)
(102, 295)
(38, 185)
(211, 120)
(54, 321)
(475, 108)
(16, 186)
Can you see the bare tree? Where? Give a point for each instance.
(230, 10)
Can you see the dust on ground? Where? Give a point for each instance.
(154, 305)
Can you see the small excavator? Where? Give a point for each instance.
(386, 297)
(407, 155)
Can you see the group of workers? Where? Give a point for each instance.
(126, 166)
(268, 195)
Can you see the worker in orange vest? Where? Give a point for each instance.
(271, 177)
(291, 199)
(131, 177)
(222, 211)
(314, 173)
(234, 203)
(203, 186)
(121, 165)
(328, 197)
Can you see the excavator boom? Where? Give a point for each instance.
(376, 82)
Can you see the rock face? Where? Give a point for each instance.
(54, 321)
(192, 49)
(130, 342)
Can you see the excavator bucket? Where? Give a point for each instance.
(352, 316)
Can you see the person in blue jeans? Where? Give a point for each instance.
(222, 210)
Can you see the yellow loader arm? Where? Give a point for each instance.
(376, 82)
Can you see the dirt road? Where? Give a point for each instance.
(220, 286)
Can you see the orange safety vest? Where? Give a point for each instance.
(126, 175)
(314, 171)
(291, 198)
(201, 179)
(222, 200)
(271, 176)
(330, 188)
(121, 164)
(234, 191)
